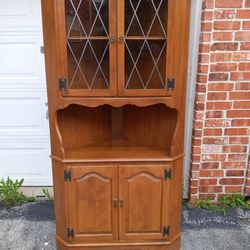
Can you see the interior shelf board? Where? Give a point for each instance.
(84, 38)
(115, 150)
(145, 38)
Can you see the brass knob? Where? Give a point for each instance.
(121, 39)
(115, 201)
(112, 39)
(121, 203)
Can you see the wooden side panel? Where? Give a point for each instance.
(179, 63)
(175, 197)
(60, 200)
(142, 212)
(91, 195)
(52, 70)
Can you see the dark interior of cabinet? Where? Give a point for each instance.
(126, 132)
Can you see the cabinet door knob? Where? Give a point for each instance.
(121, 203)
(121, 39)
(112, 39)
(115, 202)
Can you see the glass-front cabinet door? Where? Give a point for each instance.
(88, 47)
(114, 47)
(142, 47)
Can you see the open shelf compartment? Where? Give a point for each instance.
(126, 133)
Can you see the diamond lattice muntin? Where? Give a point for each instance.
(145, 43)
(87, 30)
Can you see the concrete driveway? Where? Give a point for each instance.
(32, 227)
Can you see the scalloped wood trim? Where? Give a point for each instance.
(117, 101)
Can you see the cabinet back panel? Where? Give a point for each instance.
(81, 126)
(152, 126)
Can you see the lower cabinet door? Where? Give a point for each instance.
(143, 201)
(92, 207)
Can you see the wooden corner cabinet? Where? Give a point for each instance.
(116, 75)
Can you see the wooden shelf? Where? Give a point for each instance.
(116, 150)
(145, 38)
(84, 38)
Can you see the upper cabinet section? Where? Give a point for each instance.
(115, 47)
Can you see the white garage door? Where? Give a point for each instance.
(24, 131)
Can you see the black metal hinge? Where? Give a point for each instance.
(168, 174)
(166, 230)
(70, 232)
(62, 84)
(171, 83)
(67, 175)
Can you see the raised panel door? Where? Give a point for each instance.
(87, 33)
(143, 195)
(91, 194)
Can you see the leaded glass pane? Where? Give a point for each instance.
(146, 17)
(144, 64)
(145, 44)
(87, 30)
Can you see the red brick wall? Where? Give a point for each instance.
(220, 145)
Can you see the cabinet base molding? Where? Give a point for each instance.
(157, 245)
